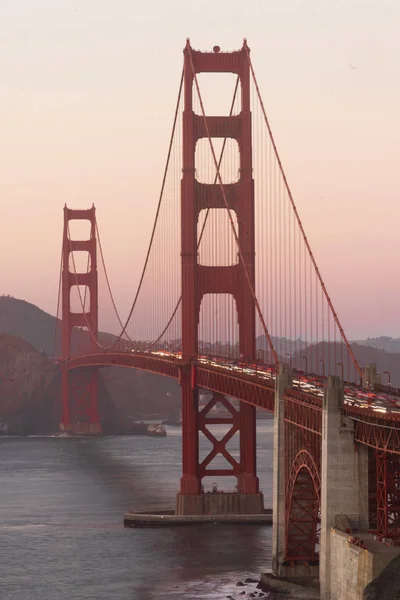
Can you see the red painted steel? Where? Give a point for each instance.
(133, 360)
(199, 280)
(303, 518)
(372, 490)
(250, 389)
(380, 433)
(303, 430)
(387, 495)
(232, 418)
(302, 411)
(393, 496)
(79, 396)
(382, 493)
(303, 434)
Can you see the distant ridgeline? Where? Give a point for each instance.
(29, 381)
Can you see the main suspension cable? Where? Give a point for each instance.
(108, 281)
(58, 304)
(118, 338)
(305, 239)
(232, 107)
(81, 300)
(223, 192)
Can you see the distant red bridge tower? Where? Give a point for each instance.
(79, 393)
(198, 280)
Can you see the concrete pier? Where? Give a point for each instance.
(282, 382)
(219, 503)
(84, 429)
(279, 567)
(344, 481)
(355, 561)
(168, 518)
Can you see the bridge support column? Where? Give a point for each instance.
(79, 392)
(200, 280)
(188, 499)
(248, 482)
(344, 479)
(370, 376)
(282, 382)
(65, 423)
(191, 499)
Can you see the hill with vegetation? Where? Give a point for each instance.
(385, 361)
(41, 330)
(30, 391)
(134, 393)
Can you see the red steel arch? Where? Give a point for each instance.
(303, 500)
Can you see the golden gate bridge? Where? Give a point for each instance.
(231, 300)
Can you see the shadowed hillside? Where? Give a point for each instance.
(135, 393)
(385, 361)
(23, 319)
(30, 391)
(131, 391)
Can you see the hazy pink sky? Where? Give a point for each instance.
(87, 95)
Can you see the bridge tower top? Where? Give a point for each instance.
(88, 318)
(197, 279)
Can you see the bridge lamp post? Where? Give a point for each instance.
(304, 357)
(339, 364)
(389, 377)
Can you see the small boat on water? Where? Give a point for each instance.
(150, 429)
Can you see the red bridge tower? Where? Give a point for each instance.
(80, 389)
(198, 280)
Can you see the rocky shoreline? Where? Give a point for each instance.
(268, 586)
(248, 588)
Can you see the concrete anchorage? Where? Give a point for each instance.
(344, 482)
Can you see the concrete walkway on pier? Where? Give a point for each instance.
(168, 518)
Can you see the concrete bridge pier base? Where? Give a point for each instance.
(344, 482)
(219, 503)
(282, 382)
(280, 567)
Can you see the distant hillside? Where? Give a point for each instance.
(280, 344)
(23, 319)
(385, 361)
(136, 392)
(385, 343)
(30, 391)
(131, 391)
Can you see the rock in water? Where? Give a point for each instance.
(387, 585)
